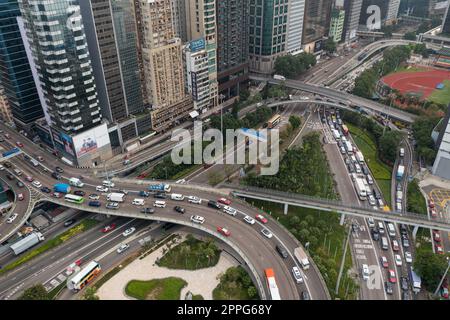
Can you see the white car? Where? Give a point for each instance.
(94, 196)
(138, 202)
(122, 247)
(2, 168)
(365, 271)
(267, 233)
(231, 211)
(408, 257)
(194, 199)
(398, 260)
(180, 181)
(297, 274)
(37, 184)
(371, 222)
(128, 231)
(198, 219)
(249, 220)
(101, 189)
(12, 218)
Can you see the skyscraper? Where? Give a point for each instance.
(232, 46)
(56, 34)
(15, 72)
(446, 22)
(352, 13)
(337, 24)
(295, 26)
(316, 24)
(392, 11)
(441, 165)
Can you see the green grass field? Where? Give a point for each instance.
(441, 96)
(156, 289)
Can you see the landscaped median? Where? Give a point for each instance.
(84, 225)
(156, 289)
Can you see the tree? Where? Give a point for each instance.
(90, 294)
(330, 45)
(251, 291)
(388, 146)
(36, 292)
(295, 121)
(430, 267)
(410, 36)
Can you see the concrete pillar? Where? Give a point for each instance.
(414, 233)
(286, 208)
(342, 219)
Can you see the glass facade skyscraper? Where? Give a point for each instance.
(317, 20)
(15, 73)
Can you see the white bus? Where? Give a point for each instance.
(73, 198)
(86, 275)
(273, 288)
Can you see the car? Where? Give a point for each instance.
(46, 190)
(20, 184)
(138, 202)
(125, 192)
(109, 228)
(194, 199)
(249, 220)
(231, 211)
(37, 184)
(404, 283)
(7, 136)
(29, 178)
(403, 229)
(391, 276)
(214, 204)
(408, 257)
(2, 168)
(10, 176)
(20, 196)
(399, 187)
(406, 295)
(94, 196)
(436, 235)
(101, 189)
(439, 249)
(365, 272)
(444, 293)
(198, 219)
(56, 194)
(384, 262)
(405, 242)
(224, 231)
(112, 205)
(430, 203)
(261, 218)
(122, 247)
(59, 170)
(12, 217)
(129, 231)
(282, 251)
(79, 193)
(297, 274)
(7, 164)
(389, 287)
(305, 295)
(371, 222)
(398, 260)
(351, 168)
(224, 201)
(144, 194)
(160, 195)
(40, 158)
(69, 222)
(94, 203)
(56, 175)
(19, 144)
(267, 233)
(179, 209)
(375, 234)
(395, 246)
(147, 210)
(433, 212)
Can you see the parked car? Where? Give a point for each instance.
(408, 257)
(395, 245)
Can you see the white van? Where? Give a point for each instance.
(108, 183)
(369, 179)
(402, 152)
(380, 227)
(18, 172)
(384, 243)
(138, 202)
(357, 168)
(391, 229)
(177, 196)
(159, 204)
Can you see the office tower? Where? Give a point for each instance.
(295, 26)
(110, 28)
(337, 24)
(392, 11)
(383, 6)
(201, 28)
(232, 46)
(352, 13)
(16, 77)
(179, 19)
(316, 24)
(163, 65)
(56, 34)
(441, 165)
(446, 21)
(5, 110)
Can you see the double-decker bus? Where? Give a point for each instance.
(273, 121)
(86, 275)
(73, 198)
(273, 288)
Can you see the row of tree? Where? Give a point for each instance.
(292, 66)
(422, 129)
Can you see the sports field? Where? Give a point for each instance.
(422, 84)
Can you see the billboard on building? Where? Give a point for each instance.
(318, 46)
(91, 140)
(67, 143)
(197, 45)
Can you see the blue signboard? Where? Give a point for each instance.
(197, 45)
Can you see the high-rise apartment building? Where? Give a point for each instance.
(163, 65)
(16, 76)
(337, 24)
(392, 11)
(352, 13)
(232, 46)
(295, 26)
(201, 27)
(179, 19)
(56, 35)
(316, 24)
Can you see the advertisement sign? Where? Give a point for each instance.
(197, 45)
(194, 85)
(91, 140)
(67, 142)
(318, 46)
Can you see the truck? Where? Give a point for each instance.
(400, 172)
(416, 282)
(360, 189)
(115, 197)
(278, 77)
(359, 156)
(302, 258)
(76, 182)
(336, 134)
(27, 242)
(61, 188)
(160, 187)
(10, 152)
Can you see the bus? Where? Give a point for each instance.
(73, 198)
(273, 121)
(273, 288)
(86, 275)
